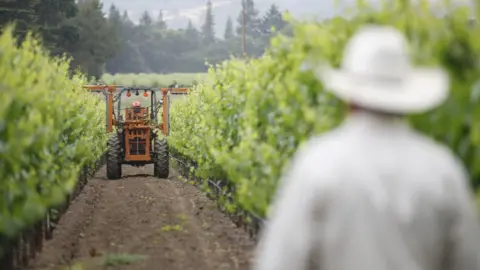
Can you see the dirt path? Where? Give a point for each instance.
(155, 223)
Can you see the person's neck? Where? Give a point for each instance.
(373, 116)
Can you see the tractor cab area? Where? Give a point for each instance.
(136, 114)
(137, 124)
(137, 135)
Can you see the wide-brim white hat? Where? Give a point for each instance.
(376, 74)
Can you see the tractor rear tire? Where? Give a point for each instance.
(161, 167)
(114, 164)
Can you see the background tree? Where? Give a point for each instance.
(252, 22)
(161, 23)
(273, 18)
(54, 22)
(208, 30)
(20, 12)
(228, 29)
(99, 42)
(129, 59)
(95, 45)
(146, 20)
(114, 22)
(193, 35)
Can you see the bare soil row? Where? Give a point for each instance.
(141, 222)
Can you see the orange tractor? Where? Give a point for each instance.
(134, 141)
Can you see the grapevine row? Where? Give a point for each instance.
(50, 129)
(244, 122)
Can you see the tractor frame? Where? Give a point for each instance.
(134, 139)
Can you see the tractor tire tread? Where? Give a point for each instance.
(114, 165)
(161, 167)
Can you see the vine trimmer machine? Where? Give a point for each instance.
(136, 136)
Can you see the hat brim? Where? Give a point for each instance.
(422, 90)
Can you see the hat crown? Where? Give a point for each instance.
(376, 73)
(377, 52)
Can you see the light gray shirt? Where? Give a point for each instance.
(372, 195)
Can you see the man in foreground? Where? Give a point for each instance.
(374, 194)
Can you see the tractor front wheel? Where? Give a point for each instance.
(161, 167)
(114, 165)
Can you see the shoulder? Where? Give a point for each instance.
(311, 172)
(319, 147)
(447, 176)
(320, 158)
(439, 156)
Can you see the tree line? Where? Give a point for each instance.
(113, 43)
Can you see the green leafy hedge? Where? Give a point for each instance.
(244, 122)
(49, 128)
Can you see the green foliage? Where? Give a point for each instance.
(49, 128)
(246, 120)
